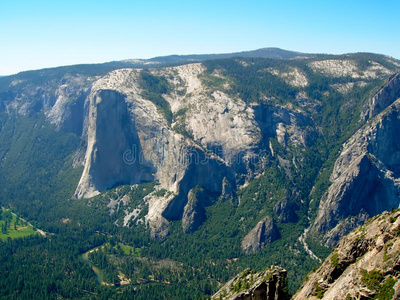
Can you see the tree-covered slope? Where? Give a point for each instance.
(170, 175)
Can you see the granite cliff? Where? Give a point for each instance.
(365, 178)
(363, 265)
(212, 142)
(269, 285)
(207, 132)
(213, 138)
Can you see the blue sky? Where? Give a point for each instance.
(38, 34)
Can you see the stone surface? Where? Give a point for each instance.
(365, 178)
(383, 98)
(68, 111)
(214, 144)
(375, 247)
(293, 76)
(267, 285)
(264, 233)
(194, 213)
(111, 135)
(139, 146)
(347, 67)
(285, 211)
(219, 142)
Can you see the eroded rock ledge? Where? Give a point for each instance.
(364, 264)
(267, 285)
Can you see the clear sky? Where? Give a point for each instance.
(36, 33)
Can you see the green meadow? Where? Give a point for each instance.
(13, 227)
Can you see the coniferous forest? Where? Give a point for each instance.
(85, 252)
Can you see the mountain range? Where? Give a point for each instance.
(212, 163)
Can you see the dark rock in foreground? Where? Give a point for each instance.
(269, 285)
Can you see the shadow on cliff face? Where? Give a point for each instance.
(368, 187)
(74, 119)
(116, 136)
(203, 172)
(385, 145)
(269, 118)
(365, 182)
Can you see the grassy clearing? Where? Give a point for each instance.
(13, 228)
(129, 250)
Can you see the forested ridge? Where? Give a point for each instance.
(38, 180)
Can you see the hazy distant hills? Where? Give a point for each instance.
(274, 53)
(169, 60)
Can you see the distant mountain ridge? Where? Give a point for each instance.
(275, 53)
(159, 61)
(269, 52)
(177, 59)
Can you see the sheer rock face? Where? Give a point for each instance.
(365, 179)
(267, 285)
(373, 247)
(285, 211)
(68, 111)
(112, 139)
(216, 140)
(129, 141)
(383, 98)
(194, 213)
(263, 234)
(285, 124)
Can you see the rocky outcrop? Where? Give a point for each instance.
(215, 141)
(267, 285)
(383, 98)
(228, 191)
(69, 110)
(286, 125)
(111, 136)
(194, 213)
(364, 264)
(205, 135)
(129, 141)
(349, 68)
(263, 234)
(285, 211)
(365, 179)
